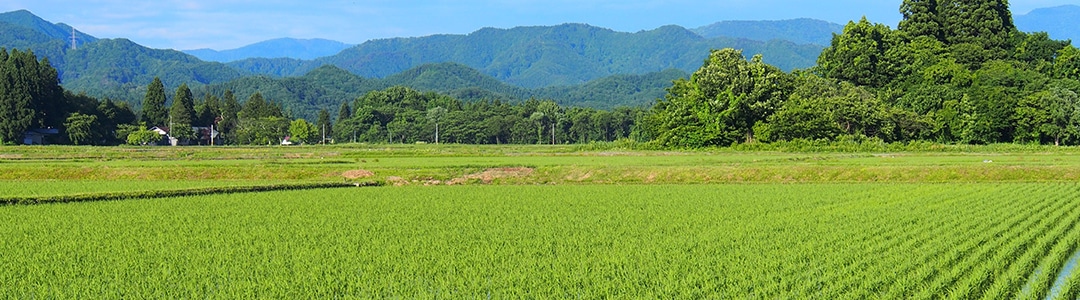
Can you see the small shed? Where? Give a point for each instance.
(39, 136)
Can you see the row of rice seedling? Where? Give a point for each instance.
(661, 241)
(1022, 265)
(923, 236)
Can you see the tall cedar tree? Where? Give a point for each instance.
(229, 110)
(182, 113)
(344, 113)
(257, 107)
(16, 103)
(208, 110)
(47, 94)
(153, 108)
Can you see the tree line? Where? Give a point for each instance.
(32, 98)
(953, 72)
(404, 115)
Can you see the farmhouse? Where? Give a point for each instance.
(39, 136)
(205, 136)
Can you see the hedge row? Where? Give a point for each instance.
(176, 193)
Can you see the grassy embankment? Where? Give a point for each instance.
(65, 169)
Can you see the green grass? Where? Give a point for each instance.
(424, 164)
(822, 241)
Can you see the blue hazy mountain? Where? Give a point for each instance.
(543, 56)
(276, 48)
(1062, 22)
(801, 31)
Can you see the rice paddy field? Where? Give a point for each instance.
(543, 222)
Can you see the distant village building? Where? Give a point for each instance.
(205, 136)
(39, 136)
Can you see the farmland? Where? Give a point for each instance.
(543, 222)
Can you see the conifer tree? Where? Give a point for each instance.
(229, 110)
(153, 108)
(16, 104)
(182, 113)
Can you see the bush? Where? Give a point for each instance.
(143, 137)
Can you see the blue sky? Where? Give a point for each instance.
(227, 24)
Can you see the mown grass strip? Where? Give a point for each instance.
(32, 200)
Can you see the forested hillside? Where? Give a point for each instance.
(329, 86)
(120, 69)
(542, 56)
(113, 68)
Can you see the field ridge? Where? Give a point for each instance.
(152, 194)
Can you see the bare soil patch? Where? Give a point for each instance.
(490, 175)
(357, 174)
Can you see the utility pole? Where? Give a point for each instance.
(552, 133)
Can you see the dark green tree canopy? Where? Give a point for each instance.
(153, 107)
(183, 107)
(921, 18)
(30, 95)
(721, 102)
(258, 107)
(860, 54)
(182, 114)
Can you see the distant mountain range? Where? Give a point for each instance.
(328, 86)
(1062, 22)
(542, 56)
(276, 48)
(115, 68)
(277, 52)
(802, 31)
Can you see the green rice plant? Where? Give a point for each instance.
(825, 241)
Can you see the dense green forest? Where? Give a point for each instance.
(541, 56)
(329, 86)
(32, 99)
(953, 72)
